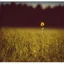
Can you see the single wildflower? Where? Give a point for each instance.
(42, 26)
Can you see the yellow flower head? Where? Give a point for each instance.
(42, 24)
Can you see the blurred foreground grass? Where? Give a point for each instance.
(31, 45)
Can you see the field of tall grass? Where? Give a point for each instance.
(31, 45)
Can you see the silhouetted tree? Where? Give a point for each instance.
(27, 16)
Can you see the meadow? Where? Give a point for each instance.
(31, 45)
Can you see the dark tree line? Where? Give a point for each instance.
(24, 16)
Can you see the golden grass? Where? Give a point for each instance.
(31, 45)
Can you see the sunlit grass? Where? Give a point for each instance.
(30, 44)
